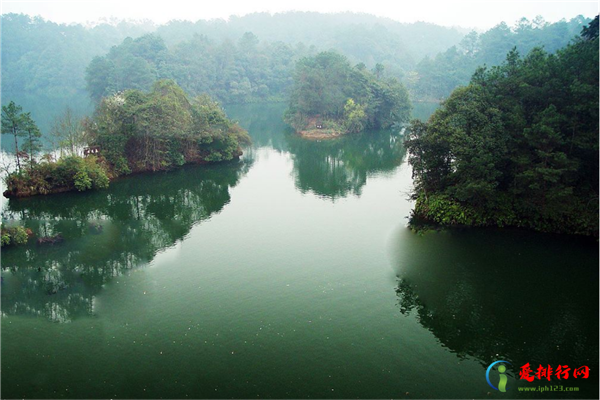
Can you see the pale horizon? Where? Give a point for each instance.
(481, 15)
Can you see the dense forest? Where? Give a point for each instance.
(518, 143)
(243, 59)
(131, 131)
(238, 72)
(43, 63)
(435, 77)
(518, 146)
(331, 95)
(252, 58)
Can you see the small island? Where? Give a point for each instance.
(130, 132)
(331, 98)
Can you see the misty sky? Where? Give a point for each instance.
(482, 14)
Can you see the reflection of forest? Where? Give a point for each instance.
(331, 169)
(340, 167)
(498, 295)
(106, 233)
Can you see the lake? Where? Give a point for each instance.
(290, 273)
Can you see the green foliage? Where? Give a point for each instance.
(205, 57)
(233, 73)
(68, 173)
(47, 66)
(326, 88)
(5, 239)
(161, 129)
(135, 131)
(14, 122)
(354, 116)
(590, 32)
(19, 124)
(15, 235)
(436, 77)
(518, 146)
(44, 63)
(82, 181)
(32, 143)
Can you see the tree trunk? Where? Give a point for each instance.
(17, 150)
(30, 152)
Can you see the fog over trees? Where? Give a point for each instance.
(47, 66)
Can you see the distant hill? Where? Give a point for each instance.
(243, 59)
(434, 78)
(44, 63)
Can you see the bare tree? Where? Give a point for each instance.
(67, 132)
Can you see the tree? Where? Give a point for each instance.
(378, 70)
(32, 143)
(68, 132)
(327, 87)
(161, 129)
(354, 116)
(517, 146)
(453, 67)
(13, 122)
(590, 32)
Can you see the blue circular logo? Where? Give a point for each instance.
(487, 373)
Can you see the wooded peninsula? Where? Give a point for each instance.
(517, 147)
(130, 132)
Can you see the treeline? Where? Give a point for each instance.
(131, 131)
(43, 63)
(252, 58)
(361, 37)
(244, 59)
(434, 78)
(240, 72)
(518, 146)
(330, 94)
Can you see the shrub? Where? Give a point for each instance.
(68, 173)
(15, 235)
(82, 181)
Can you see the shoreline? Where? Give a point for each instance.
(65, 189)
(320, 134)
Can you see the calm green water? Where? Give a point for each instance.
(288, 274)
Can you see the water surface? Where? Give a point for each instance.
(287, 274)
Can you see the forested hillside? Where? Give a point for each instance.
(518, 146)
(361, 37)
(239, 72)
(252, 58)
(434, 78)
(244, 59)
(43, 63)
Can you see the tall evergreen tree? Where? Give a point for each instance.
(14, 123)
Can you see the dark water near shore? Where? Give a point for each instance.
(287, 274)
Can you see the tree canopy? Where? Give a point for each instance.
(434, 77)
(131, 131)
(517, 146)
(326, 86)
(140, 131)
